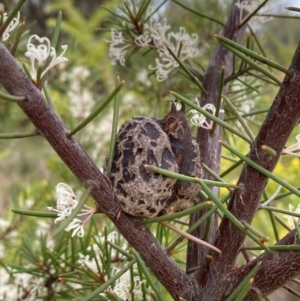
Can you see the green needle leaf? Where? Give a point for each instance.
(283, 211)
(231, 217)
(13, 13)
(227, 42)
(109, 282)
(255, 232)
(239, 117)
(11, 98)
(291, 8)
(34, 213)
(202, 219)
(98, 110)
(219, 99)
(277, 248)
(178, 176)
(249, 16)
(210, 116)
(197, 13)
(187, 71)
(17, 135)
(253, 64)
(55, 36)
(261, 169)
(147, 275)
(113, 133)
(177, 214)
(80, 204)
(244, 284)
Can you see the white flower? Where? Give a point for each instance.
(155, 35)
(91, 263)
(118, 47)
(115, 238)
(77, 226)
(4, 223)
(246, 5)
(11, 26)
(143, 40)
(243, 104)
(80, 98)
(184, 43)
(158, 31)
(6, 287)
(199, 119)
(293, 149)
(66, 202)
(164, 66)
(94, 261)
(41, 53)
(181, 44)
(123, 287)
(250, 6)
(142, 77)
(292, 219)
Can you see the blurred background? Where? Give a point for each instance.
(30, 169)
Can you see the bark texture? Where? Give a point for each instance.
(210, 148)
(283, 116)
(214, 280)
(275, 270)
(48, 125)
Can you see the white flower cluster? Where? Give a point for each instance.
(23, 284)
(11, 26)
(94, 263)
(294, 149)
(123, 286)
(156, 35)
(293, 219)
(199, 119)
(26, 286)
(81, 99)
(244, 102)
(118, 47)
(66, 203)
(40, 54)
(180, 43)
(250, 6)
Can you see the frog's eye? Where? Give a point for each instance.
(171, 119)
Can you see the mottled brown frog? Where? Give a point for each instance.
(166, 143)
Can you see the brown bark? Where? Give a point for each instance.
(210, 148)
(283, 116)
(48, 125)
(214, 280)
(215, 275)
(275, 270)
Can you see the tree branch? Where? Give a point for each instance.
(48, 125)
(274, 272)
(283, 116)
(210, 148)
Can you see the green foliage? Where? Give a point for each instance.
(64, 267)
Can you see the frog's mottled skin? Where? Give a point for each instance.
(166, 144)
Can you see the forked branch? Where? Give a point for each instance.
(49, 125)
